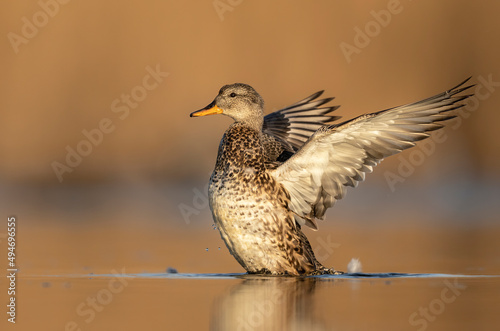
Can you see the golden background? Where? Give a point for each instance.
(64, 79)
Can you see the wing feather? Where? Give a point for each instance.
(293, 125)
(338, 156)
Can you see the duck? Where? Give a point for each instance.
(276, 174)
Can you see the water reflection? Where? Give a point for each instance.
(267, 303)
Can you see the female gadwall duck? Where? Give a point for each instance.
(278, 172)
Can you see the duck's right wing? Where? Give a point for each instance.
(338, 156)
(293, 125)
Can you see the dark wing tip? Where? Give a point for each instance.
(456, 89)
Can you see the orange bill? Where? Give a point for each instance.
(211, 109)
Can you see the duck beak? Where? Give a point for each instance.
(211, 109)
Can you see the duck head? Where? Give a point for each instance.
(238, 101)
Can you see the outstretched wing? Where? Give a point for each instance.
(338, 156)
(292, 126)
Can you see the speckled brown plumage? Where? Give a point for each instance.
(276, 173)
(251, 209)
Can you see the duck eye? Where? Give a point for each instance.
(232, 95)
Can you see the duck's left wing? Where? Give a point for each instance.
(338, 156)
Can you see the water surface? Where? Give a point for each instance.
(161, 301)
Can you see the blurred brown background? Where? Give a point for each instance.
(86, 66)
(65, 78)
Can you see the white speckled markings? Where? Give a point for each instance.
(11, 269)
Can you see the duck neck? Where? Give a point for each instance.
(241, 148)
(254, 123)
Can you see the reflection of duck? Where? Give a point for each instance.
(267, 303)
(276, 173)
